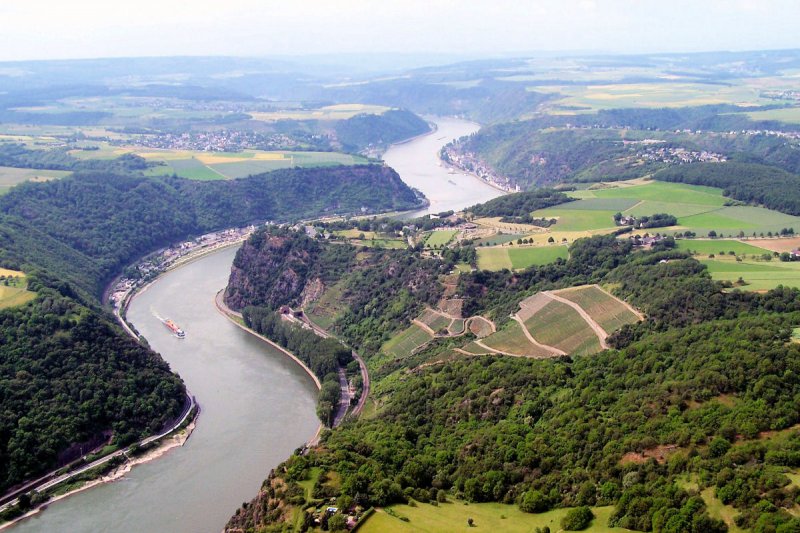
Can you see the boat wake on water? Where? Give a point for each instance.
(172, 326)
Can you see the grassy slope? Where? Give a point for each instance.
(452, 517)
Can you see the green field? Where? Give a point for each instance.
(570, 219)
(403, 344)
(716, 246)
(511, 339)
(186, 168)
(758, 275)
(604, 309)
(10, 176)
(648, 95)
(440, 238)
(786, 114)
(487, 517)
(235, 165)
(527, 256)
(559, 325)
(517, 258)
(331, 112)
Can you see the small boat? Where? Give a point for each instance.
(173, 327)
(451, 182)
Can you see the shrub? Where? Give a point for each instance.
(577, 519)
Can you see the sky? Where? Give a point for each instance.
(59, 29)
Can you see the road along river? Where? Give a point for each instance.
(417, 162)
(257, 407)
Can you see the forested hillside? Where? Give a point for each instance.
(363, 131)
(88, 227)
(684, 396)
(68, 377)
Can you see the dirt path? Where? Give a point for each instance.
(599, 331)
(423, 325)
(545, 347)
(499, 352)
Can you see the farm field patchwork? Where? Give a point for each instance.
(648, 95)
(332, 112)
(452, 516)
(698, 208)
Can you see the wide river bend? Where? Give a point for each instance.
(257, 404)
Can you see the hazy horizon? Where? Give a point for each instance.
(87, 29)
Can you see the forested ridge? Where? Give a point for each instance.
(703, 377)
(99, 222)
(366, 130)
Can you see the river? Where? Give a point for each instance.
(257, 407)
(417, 162)
(257, 404)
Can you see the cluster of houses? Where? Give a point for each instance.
(215, 141)
(162, 260)
(469, 162)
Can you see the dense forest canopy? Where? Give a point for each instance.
(365, 130)
(68, 377)
(96, 223)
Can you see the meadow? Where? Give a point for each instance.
(13, 289)
(452, 516)
(758, 275)
(440, 238)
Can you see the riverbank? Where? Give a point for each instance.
(232, 316)
(174, 437)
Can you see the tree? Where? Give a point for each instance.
(337, 522)
(470, 522)
(551, 240)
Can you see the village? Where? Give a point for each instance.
(139, 275)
